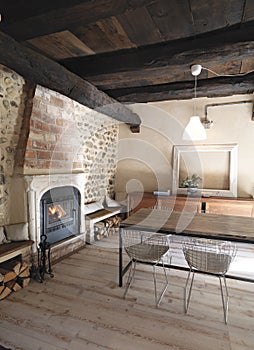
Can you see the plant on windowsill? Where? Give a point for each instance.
(191, 183)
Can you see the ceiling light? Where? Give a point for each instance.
(195, 130)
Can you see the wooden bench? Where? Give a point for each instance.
(100, 215)
(13, 249)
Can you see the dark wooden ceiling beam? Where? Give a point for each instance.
(63, 18)
(212, 87)
(43, 71)
(219, 45)
(177, 67)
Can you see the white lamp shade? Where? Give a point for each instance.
(194, 130)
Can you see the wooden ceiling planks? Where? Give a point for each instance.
(93, 37)
(115, 33)
(140, 27)
(174, 21)
(64, 18)
(232, 67)
(159, 55)
(248, 14)
(39, 69)
(213, 15)
(60, 45)
(247, 65)
(119, 44)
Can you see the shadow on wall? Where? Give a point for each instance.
(145, 159)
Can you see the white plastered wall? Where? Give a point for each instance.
(145, 159)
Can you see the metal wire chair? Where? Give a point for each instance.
(212, 257)
(146, 247)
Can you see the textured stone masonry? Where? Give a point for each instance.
(11, 110)
(64, 137)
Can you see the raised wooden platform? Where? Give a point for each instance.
(13, 249)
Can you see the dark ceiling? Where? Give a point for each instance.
(140, 50)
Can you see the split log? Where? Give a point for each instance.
(23, 277)
(25, 273)
(8, 274)
(23, 282)
(12, 265)
(1, 278)
(24, 270)
(6, 291)
(10, 284)
(16, 287)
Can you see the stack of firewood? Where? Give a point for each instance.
(99, 230)
(106, 228)
(14, 275)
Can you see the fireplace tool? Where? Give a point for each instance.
(44, 254)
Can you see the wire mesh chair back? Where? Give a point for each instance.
(145, 246)
(210, 256)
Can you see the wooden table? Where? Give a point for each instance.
(210, 226)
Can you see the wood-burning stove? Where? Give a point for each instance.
(60, 213)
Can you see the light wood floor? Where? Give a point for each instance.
(82, 308)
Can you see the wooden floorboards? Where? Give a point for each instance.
(82, 308)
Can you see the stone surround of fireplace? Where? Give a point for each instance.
(36, 186)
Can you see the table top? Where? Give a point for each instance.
(226, 227)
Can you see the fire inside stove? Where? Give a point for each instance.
(55, 213)
(59, 213)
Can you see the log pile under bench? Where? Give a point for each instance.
(14, 275)
(96, 225)
(106, 228)
(14, 271)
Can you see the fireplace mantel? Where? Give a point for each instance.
(42, 183)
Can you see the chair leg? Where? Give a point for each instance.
(224, 297)
(130, 277)
(187, 298)
(167, 258)
(158, 299)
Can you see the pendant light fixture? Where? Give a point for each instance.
(194, 130)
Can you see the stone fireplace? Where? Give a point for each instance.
(55, 206)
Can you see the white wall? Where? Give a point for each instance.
(145, 159)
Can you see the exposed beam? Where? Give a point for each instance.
(154, 64)
(212, 87)
(176, 69)
(88, 11)
(43, 71)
